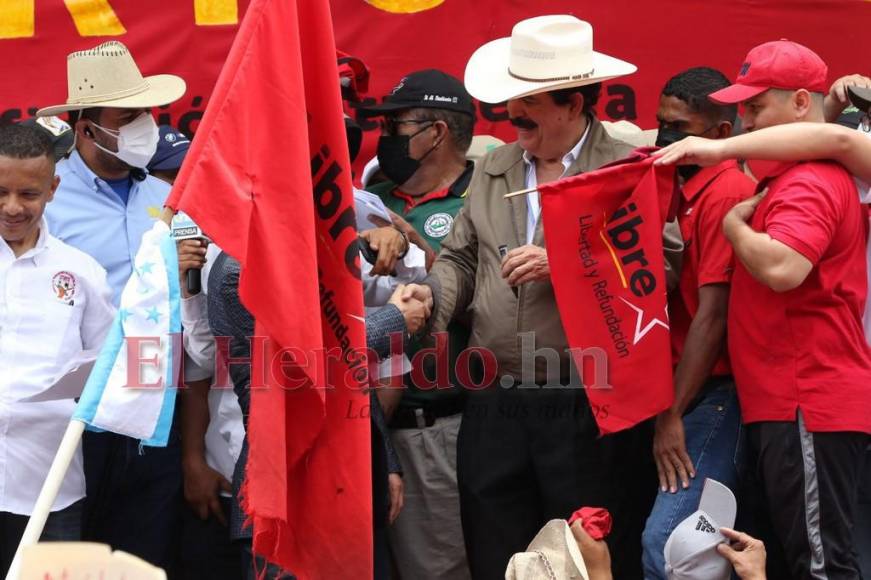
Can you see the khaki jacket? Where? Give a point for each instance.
(467, 276)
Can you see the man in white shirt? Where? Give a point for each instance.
(54, 303)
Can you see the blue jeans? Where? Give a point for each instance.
(714, 444)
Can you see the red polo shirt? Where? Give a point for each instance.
(805, 348)
(708, 259)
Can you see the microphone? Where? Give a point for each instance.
(184, 228)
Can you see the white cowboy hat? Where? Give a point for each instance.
(631, 133)
(107, 76)
(544, 53)
(553, 554)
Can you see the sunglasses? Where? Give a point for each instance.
(390, 126)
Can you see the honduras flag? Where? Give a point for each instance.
(132, 387)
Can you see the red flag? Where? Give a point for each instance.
(604, 244)
(268, 179)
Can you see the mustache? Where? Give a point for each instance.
(523, 123)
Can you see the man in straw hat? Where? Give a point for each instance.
(105, 203)
(527, 455)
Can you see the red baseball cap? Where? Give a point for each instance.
(780, 64)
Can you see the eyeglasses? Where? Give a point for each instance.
(390, 126)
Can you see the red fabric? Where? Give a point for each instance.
(411, 201)
(609, 281)
(596, 521)
(805, 348)
(708, 259)
(354, 75)
(268, 178)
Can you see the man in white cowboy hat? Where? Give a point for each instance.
(105, 203)
(526, 454)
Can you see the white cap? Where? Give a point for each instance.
(691, 550)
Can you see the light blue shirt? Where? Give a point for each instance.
(87, 214)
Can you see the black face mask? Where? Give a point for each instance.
(665, 137)
(394, 158)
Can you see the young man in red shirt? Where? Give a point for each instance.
(698, 437)
(796, 342)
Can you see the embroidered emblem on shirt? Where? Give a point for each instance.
(438, 225)
(63, 284)
(153, 212)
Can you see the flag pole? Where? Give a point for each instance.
(526, 191)
(166, 215)
(59, 466)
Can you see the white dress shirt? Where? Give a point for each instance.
(377, 290)
(55, 302)
(533, 200)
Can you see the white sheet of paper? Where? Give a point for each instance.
(69, 384)
(368, 204)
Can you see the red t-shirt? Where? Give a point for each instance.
(805, 348)
(708, 259)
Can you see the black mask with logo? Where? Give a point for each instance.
(394, 157)
(665, 137)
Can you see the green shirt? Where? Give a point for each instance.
(432, 218)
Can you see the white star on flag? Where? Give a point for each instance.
(642, 332)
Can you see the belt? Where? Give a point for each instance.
(425, 416)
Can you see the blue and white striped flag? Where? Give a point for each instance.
(148, 321)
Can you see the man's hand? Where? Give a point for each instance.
(389, 243)
(692, 151)
(743, 211)
(670, 452)
(202, 484)
(412, 234)
(746, 554)
(595, 553)
(395, 486)
(525, 264)
(191, 255)
(838, 98)
(420, 292)
(413, 310)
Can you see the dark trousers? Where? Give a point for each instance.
(809, 485)
(134, 496)
(529, 455)
(863, 518)
(207, 553)
(61, 526)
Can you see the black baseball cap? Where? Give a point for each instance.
(429, 88)
(171, 150)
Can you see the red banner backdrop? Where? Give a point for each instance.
(191, 38)
(661, 38)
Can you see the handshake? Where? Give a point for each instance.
(415, 303)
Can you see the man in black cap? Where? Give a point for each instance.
(172, 146)
(427, 125)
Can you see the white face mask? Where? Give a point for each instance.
(137, 140)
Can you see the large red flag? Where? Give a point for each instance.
(603, 232)
(268, 179)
